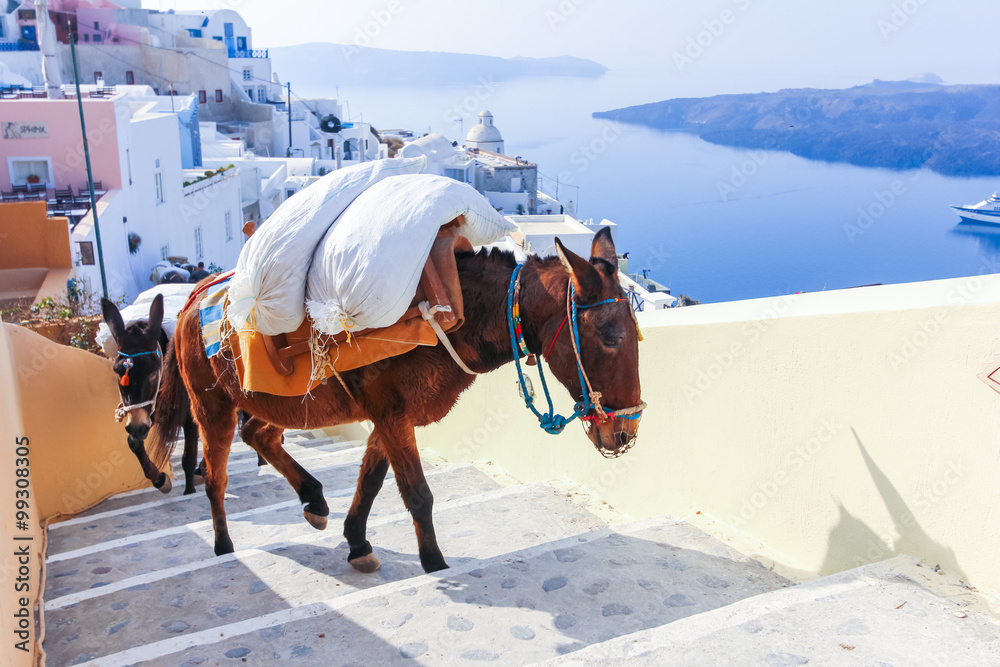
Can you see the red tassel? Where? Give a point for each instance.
(124, 381)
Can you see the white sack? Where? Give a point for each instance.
(267, 292)
(174, 298)
(366, 271)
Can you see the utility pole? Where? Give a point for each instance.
(86, 153)
(289, 88)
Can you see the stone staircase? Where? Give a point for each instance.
(539, 572)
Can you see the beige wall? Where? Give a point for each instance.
(68, 399)
(11, 428)
(63, 400)
(836, 428)
(30, 239)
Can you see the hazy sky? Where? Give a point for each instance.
(794, 42)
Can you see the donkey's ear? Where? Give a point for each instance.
(586, 279)
(155, 319)
(603, 247)
(113, 319)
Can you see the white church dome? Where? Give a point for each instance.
(485, 131)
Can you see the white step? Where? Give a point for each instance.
(872, 615)
(517, 607)
(282, 563)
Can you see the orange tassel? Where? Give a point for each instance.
(124, 381)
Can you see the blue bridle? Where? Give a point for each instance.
(551, 422)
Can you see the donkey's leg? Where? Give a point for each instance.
(374, 466)
(400, 446)
(190, 456)
(218, 422)
(266, 440)
(159, 479)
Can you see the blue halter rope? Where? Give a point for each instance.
(551, 422)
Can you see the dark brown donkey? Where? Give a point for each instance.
(138, 366)
(421, 387)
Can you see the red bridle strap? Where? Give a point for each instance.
(556, 337)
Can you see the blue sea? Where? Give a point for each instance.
(711, 222)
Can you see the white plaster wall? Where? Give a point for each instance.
(836, 428)
(205, 205)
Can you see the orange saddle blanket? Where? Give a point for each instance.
(295, 363)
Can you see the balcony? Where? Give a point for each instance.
(248, 53)
(18, 46)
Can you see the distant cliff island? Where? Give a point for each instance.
(316, 66)
(953, 130)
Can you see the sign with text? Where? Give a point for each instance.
(25, 130)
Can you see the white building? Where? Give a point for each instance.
(484, 134)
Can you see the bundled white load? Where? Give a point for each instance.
(174, 298)
(267, 292)
(366, 270)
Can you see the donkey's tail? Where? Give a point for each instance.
(173, 409)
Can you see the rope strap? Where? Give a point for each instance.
(124, 409)
(427, 312)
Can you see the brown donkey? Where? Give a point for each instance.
(138, 366)
(421, 387)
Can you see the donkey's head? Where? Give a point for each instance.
(137, 363)
(606, 349)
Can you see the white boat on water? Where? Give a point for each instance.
(987, 211)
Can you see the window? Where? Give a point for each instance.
(218, 39)
(194, 33)
(229, 225)
(289, 193)
(86, 36)
(247, 73)
(22, 169)
(457, 174)
(97, 38)
(198, 250)
(87, 253)
(164, 252)
(129, 78)
(202, 97)
(261, 95)
(98, 76)
(158, 181)
(218, 95)
(249, 92)
(97, 25)
(2, 33)
(241, 43)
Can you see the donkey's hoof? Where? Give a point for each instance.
(316, 521)
(163, 483)
(366, 564)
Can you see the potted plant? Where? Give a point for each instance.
(34, 178)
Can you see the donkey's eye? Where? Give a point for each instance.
(611, 335)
